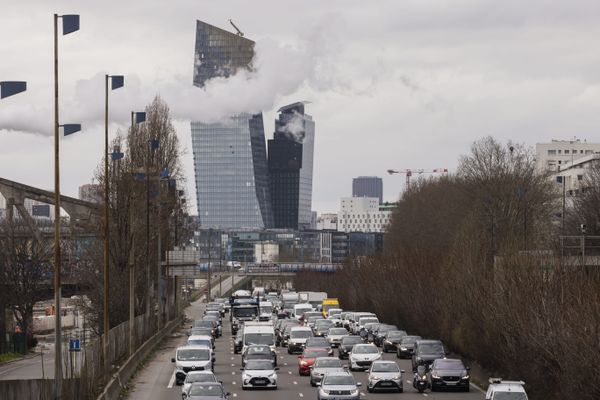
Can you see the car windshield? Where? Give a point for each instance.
(385, 367)
(266, 309)
(201, 331)
(369, 320)
(314, 318)
(300, 334)
(395, 335)
(338, 331)
(449, 364)
(431, 348)
(324, 323)
(201, 342)
(410, 339)
(193, 355)
(509, 396)
(302, 310)
(259, 364)
(317, 342)
(203, 324)
(200, 378)
(244, 311)
(352, 340)
(259, 350)
(328, 363)
(206, 390)
(259, 338)
(365, 349)
(338, 380)
(314, 353)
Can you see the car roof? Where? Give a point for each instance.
(314, 349)
(193, 347)
(198, 337)
(339, 373)
(365, 345)
(327, 358)
(508, 386)
(385, 362)
(425, 341)
(207, 383)
(204, 372)
(301, 328)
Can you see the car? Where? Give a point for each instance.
(391, 340)
(406, 346)
(385, 375)
(206, 390)
(323, 365)
(192, 358)
(216, 313)
(283, 335)
(197, 376)
(338, 386)
(346, 345)
(335, 335)
(322, 326)
(505, 390)
(238, 342)
(201, 340)
(449, 373)
(308, 357)
(366, 332)
(378, 334)
(212, 325)
(216, 325)
(311, 320)
(200, 331)
(320, 343)
(426, 351)
(259, 352)
(259, 374)
(307, 314)
(298, 336)
(336, 319)
(364, 320)
(362, 356)
(354, 320)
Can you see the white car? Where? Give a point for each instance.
(259, 374)
(322, 366)
(192, 358)
(197, 376)
(362, 356)
(505, 390)
(385, 375)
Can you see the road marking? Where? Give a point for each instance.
(233, 383)
(290, 372)
(233, 365)
(285, 363)
(232, 372)
(478, 388)
(409, 382)
(171, 381)
(300, 394)
(295, 383)
(235, 395)
(233, 358)
(425, 394)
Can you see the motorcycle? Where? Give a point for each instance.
(420, 381)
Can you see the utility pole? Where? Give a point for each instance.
(208, 269)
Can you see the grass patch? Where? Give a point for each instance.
(5, 357)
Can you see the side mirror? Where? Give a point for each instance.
(241, 369)
(402, 371)
(214, 359)
(358, 384)
(468, 368)
(318, 383)
(277, 368)
(227, 394)
(172, 359)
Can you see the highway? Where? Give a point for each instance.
(156, 380)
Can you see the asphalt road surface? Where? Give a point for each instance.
(156, 380)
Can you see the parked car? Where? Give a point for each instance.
(346, 345)
(259, 352)
(385, 375)
(308, 357)
(322, 366)
(259, 374)
(505, 390)
(426, 351)
(391, 340)
(406, 346)
(335, 335)
(338, 385)
(197, 376)
(449, 373)
(206, 390)
(362, 356)
(320, 343)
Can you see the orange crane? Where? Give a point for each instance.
(240, 33)
(410, 171)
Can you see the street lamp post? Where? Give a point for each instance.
(117, 81)
(10, 88)
(70, 23)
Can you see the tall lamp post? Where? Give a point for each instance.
(10, 88)
(117, 81)
(70, 23)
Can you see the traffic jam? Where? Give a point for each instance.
(340, 354)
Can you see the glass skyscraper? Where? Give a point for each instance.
(368, 186)
(291, 167)
(230, 160)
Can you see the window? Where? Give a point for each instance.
(551, 152)
(559, 151)
(566, 151)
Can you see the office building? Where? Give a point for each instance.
(368, 186)
(327, 222)
(363, 214)
(291, 168)
(230, 163)
(551, 156)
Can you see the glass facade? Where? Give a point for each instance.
(368, 186)
(231, 173)
(291, 168)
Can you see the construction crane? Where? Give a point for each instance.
(240, 33)
(410, 171)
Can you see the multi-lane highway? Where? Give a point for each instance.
(156, 380)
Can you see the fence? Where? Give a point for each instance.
(13, 343)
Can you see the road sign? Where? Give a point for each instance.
(74, 345)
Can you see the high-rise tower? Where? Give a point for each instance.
(291, 167)
(230, 161)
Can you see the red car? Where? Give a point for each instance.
(308, 358)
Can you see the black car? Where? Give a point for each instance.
(205, 390)
(391, 340)
(377, 336)
(346, 345)
(212, 325)
(426, 351)
(406, 347)
(258, 352)
(200, 331)
(283, 331)
(238, 342)
(319, 343)
(449, 373)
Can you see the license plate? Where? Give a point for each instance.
(386, 383)
(260, 382)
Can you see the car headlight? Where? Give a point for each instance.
(465, 377)
(434, 376)
(424, 377)
(273, 375)
(355, 392)
(397, 378)
(303, 363)
(245, 376)
(403, 348)
(325, 391)
(375, 378)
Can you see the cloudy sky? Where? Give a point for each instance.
(392, 83)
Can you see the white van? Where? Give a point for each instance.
(266, 311)
(300, 309)
(258, 333)
(192, 358)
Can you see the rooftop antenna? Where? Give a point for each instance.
(240, 33)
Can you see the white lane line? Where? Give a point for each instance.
(171, 381)
(300, 394)
(235, 395)
(295, 383)
(285, 364)
(290, 372)
(409, 382)
(233, 383)
(232, 372)
(233, 365)
(425, 394)
(233, 358)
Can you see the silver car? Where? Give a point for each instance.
(385, 375)
(323, 365)
(197, 376)
(338, 386)
(335, 335)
